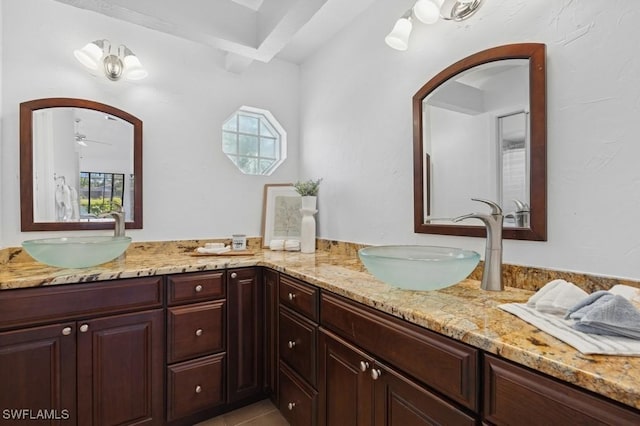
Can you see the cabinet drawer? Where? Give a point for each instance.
(195, 330)
(437, 361)
(299, 296)
(516, 395)
(68, 301)
(196, 287)
(298, 402)
(195, 385)
(297, 344)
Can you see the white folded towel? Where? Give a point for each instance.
(292, 245)
(632, 294)
(276, 245)
(213, 250)
(288, 245)
(556, 297)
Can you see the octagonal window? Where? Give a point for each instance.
(254, 141)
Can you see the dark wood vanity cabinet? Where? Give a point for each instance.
(517, 395)
(297, 350)
(196, 343)
(92, 361)
(246, 335)
(371, 378)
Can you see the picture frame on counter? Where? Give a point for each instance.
(281, 217)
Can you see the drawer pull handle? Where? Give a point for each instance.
(291, 296)
(234, 275)
(66, 331)
(198, 389)
(84, 328)
(375, 373)
(199, 332)
(198, 288)
(291, 406)
(364, 365)
(291, 344)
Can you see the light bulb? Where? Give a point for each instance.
(90, 54)
(398, 38)
(427, 11)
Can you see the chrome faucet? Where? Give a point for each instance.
(492, 273)
(118, 217)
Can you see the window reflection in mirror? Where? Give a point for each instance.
(76, 154)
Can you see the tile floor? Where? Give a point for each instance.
(262, 413)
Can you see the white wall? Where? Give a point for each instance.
(357, 131)
(191, 190)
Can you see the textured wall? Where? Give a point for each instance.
(356, 126)
(191, 190)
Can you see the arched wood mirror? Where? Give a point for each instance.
(479, 131)
(78, 160)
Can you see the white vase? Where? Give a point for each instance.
(308, 224)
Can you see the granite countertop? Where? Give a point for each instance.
(462, 312)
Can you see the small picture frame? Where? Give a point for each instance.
(281, 215)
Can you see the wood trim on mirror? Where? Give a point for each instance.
(535, 53)
(26, 164)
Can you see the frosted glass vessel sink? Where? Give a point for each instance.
(76, 252)
(419, 267)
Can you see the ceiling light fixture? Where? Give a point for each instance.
(123, 62)
(428, 12)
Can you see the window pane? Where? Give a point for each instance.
(248, 124)
(248, 165)
(265, 129)
(265, 165)
(267, 147)
(231, 124)
(229, 144)
(248, 145)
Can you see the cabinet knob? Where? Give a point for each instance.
(198, 389)
(66, 331)
(198, 288)
(291, 406)
(234, 275)
(375, 373)
(364, 365)
(199, 332)
(84, 328)
(291, 296)
(291, 344)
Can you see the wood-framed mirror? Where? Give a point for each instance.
(479, 131)
(78, 160)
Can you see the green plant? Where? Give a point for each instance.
(308, 187)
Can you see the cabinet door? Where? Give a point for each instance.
(345, 384)
(120, 360)
(38, 372)
(270, 279)
(245, 349)
(401, 402)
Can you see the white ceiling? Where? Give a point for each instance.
(246, 30)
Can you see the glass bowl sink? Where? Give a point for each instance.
(419, 267)
(76, 252)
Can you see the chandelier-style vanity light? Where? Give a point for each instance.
(120, 63)
(428, 12)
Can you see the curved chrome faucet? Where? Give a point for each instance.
(118, 217)
(492, 273)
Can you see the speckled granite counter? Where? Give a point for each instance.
(463, 312)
